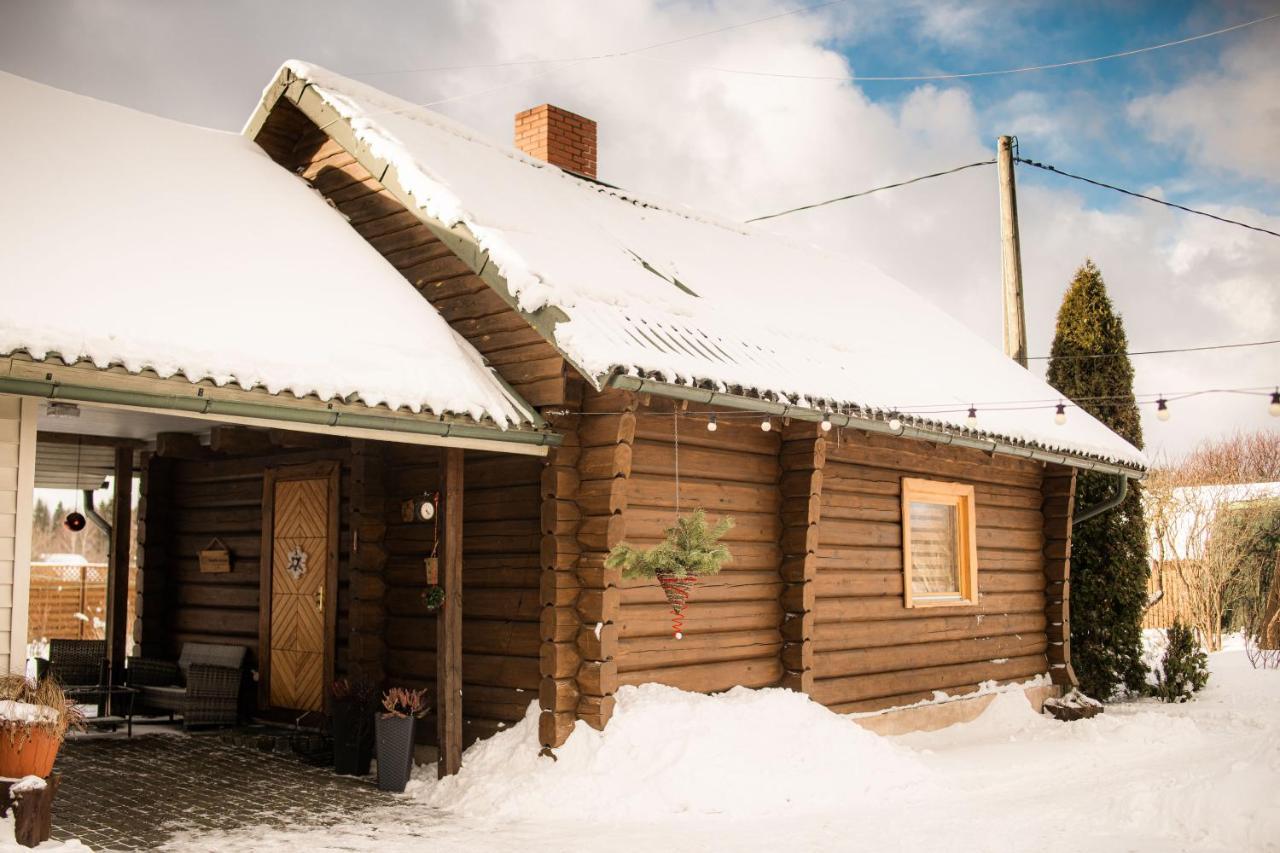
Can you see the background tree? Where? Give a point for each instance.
(1109, 552)
(1216, 538)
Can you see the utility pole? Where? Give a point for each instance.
(1015, 317)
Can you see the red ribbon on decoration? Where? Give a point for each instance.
(677, 589)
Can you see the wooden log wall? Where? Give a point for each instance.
(150, 614)
(189, 502)
(732, 625)
(560, 623)
(803, 459)
(500, 597)
(367, 616)
(585, 496)
(519, 353)
(872, 652)
(1058, 495)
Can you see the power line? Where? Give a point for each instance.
(1154, 351)
(920, 78)
(1046, 167)
(872, 190)
(595, 56)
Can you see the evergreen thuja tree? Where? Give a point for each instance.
(1109, 552)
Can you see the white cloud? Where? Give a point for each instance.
(1228, 119)
(745, 145)
(749, 145)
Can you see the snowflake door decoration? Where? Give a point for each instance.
(297, 562)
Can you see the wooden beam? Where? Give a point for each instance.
(118, 562)
(449, 619)
(239, 440)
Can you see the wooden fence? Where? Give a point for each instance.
(1173, 604)
(70, 601)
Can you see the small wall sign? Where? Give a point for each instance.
(215, 558)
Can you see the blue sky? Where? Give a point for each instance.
(1108, 145)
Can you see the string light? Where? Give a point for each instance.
(972, 420)
(766, 425)
(1274, 408)
(1060, 416)
(711, 424)
(1162, 409)
(826, 421)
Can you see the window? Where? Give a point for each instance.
(939, 544)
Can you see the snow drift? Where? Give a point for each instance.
(666, 752)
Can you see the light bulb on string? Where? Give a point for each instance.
(1060, 416)
(972, 420)
(1162, 409)
(711, 424)
(826, 421)
(1274, 408)
(766, 425)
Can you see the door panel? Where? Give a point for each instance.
(301, 530)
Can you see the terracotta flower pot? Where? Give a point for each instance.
(28, 756)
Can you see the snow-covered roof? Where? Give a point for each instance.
(1182, 521)
(661, 291)
(134, 240)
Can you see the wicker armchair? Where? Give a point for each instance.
(203, 685)
(75, 663)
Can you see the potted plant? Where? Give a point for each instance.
(397, 725)
(690, 550)
(353, 707)
(34, 718)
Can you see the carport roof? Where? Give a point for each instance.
(138, 242)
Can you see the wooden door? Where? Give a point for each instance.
(299, 587)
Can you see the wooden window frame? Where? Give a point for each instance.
(960, 496)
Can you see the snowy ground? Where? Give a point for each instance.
(767, 770)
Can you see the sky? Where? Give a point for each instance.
(1196, 123)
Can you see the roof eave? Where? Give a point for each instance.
(459, 238)
(939, 436)
(117, 387)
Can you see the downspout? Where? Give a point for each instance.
(91, 513)
(1110, 503)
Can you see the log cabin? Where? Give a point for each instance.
(621, 361)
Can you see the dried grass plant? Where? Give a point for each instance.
(46, 693)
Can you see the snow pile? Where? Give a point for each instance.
(1155, 641)
(12, 711)
(658, 290)
(189, 252)
(942, 697)
(28, 783)
(745, 753)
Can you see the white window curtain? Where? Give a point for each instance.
(935, 561)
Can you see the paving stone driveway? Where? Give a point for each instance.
(133, 794)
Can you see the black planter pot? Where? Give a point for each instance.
(352, 737)
(395, 751)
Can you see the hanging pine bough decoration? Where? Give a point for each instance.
(691, 550)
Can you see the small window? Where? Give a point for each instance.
(939, 544)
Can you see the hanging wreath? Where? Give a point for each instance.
(433, 597)
(691, 550)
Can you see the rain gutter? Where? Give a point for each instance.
(800, 413)
(1110, 503)
(336, 420)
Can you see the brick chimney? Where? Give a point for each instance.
(558, 136)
